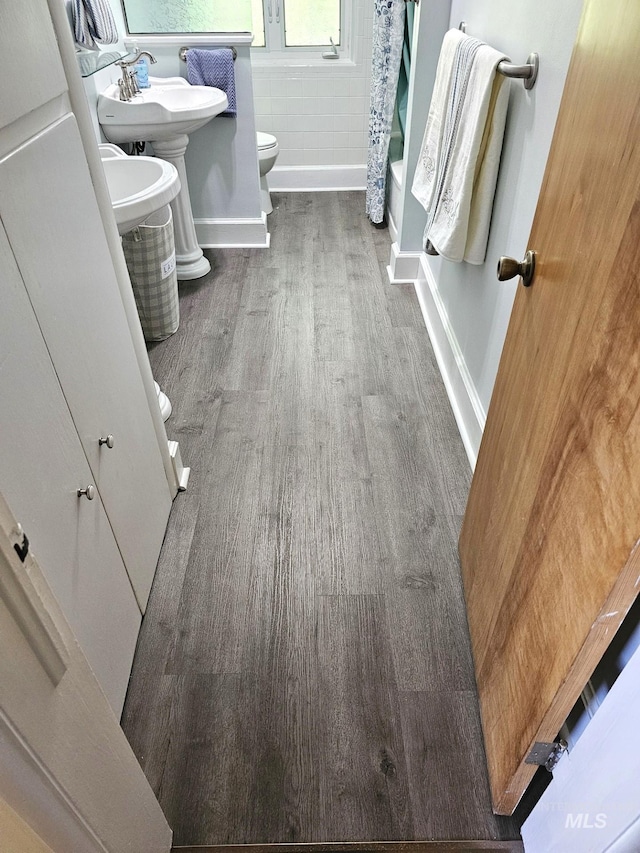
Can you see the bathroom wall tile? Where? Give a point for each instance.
(358, 87)
(279, 106)
(328, 88)
(284, 157)
(310, 87)
(353, 157)
(283, 141)
(316, 123)
(296, 157)
(311, 107)
(327, 157)
(357, 140)
(295, 106)
(296, 139)
(308, 157)
(311, 141)
(343, 106)
(280, 124)
(326, 140)
(261, 87)
(313, 157)
(324, 106)
(265, 124)
(262, 106)
(363, 103)
(292, 88)
(353, 123)
(341, 140)
(299, 124)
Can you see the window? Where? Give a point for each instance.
(166, 17)
(302, 23)
(276, 24)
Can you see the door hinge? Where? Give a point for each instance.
(20, 542)
(546, 754)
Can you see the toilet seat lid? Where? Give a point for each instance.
(266, 140)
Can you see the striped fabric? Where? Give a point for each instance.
(93, 23)
(150, 256)
(214, 68)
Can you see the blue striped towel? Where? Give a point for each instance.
(214, 68)
(93, 23)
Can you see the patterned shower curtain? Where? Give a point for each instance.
(388, 37)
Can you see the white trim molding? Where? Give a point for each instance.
(403, 266)
(317, 178)
(412, 268)
(393, 230)
(233, 233)
(467, 408)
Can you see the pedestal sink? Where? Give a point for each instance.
(164, 115)
(138, 186)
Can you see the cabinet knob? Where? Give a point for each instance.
(109, 441)
(89, 492)
(510, 268)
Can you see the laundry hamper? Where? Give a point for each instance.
(151, 259)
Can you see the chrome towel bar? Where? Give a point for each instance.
(527, 72)
(182, 53)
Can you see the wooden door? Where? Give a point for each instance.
(42, 465)
(549, 545)
(65, 765)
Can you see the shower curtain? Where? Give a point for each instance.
(388, 38)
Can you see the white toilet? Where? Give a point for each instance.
(267, 155)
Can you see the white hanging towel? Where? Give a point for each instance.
(456, 175)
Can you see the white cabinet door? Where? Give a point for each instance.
(32, 73)
(63, 257)
(42, 464)
(65, 764)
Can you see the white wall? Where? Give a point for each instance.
(468, 305)
(319, 112)
(593, 801)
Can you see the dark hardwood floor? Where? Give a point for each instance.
(304, 671)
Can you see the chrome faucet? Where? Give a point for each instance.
(128, 83)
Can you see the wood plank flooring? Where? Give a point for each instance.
(304, 672)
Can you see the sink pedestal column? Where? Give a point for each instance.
(190, 262)
(163, 401)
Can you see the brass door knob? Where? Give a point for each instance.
(510, 268)
(89, 492)
(109, 441)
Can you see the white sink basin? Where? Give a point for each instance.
(170, 107)
(138, 186)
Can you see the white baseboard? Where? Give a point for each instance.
(393, 228)
(404, 267)
(182, 473)
(317, 178)
(467, 408)
(233, 233)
